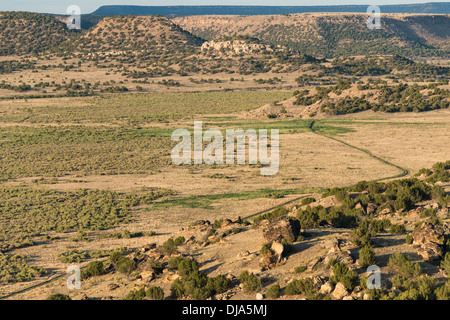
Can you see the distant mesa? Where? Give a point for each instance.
(432, 7)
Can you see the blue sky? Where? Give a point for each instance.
(87, 6)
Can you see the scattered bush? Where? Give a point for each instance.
(155, 293)
(403, 265)
(366, 256)
(58, 296)
(273, 292)
(251, 283)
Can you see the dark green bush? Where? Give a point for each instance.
(251, 283)
(155, 293)
(126, 265)
(136, 294)
(58, 296)
(397, 229)
(273, 292)
(341, 273)
(366, 256)
(94, 268)
(403, 265)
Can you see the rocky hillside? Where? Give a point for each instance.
(25, 32)
(333, 34)
(150, 34)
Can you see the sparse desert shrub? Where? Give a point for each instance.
(58, 296)
(195, 283)
(95, 268)
(175, 261)
(278, 212)
(300, 269)
(251, 283)
(273, 292)
(126, 265)
(443, 292)
(366, 256)
(73, 255)
(409, 239)
(170, 246)
(155, 293)
(115, 256)
(136, 294)
(219, 284)
(342, 273)
(303, 286)
(397, 229)
(266, 249)
(445, 263)
(307, 200)
(403, 265)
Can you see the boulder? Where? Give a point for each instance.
(430, 251)
(326, 288)
(278, 249)
(339, 291)
(430, 238)
(280, 229)
(429, 232)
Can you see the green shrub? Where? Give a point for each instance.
(94, 268)
(403, 265)
(445, 263)
(73, 255)
(155, 293)
(276, 213)
(115, 256)
(273, 292)
(175, 261)
(366, 256)
(307, 200)
(136, 294)
(302, 286)
(397, 229)
(219, 284)
(300, 269)
(443, 292)
(251, 283)
(126, 265)
(409, 239)
(265, 249)
(341, 273)
(58, 296)
(170, 246)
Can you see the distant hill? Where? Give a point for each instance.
(333, 34)
(433, 7)
(26, 32)
(149, 35)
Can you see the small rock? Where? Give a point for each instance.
(259, 296)
(112, 286)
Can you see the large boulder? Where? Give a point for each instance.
(280, 229)
(429, 232)
(430, 238)
(339, 291)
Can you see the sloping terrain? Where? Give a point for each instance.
(333, 34)
(25, 32)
